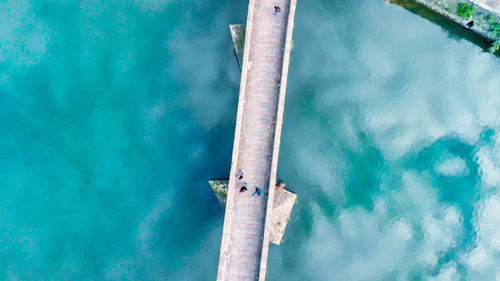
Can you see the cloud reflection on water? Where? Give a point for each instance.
(397, 86)
(383, 142)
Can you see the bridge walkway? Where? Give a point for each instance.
(260, 108)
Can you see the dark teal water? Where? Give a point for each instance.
(115, 114)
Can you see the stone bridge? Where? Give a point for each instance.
(247, 221)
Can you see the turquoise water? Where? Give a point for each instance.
(115, 114)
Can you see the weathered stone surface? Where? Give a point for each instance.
(247, 222)
(490, 5)
(238, 35)
(282, 208)
(284, 200)
(219, 187)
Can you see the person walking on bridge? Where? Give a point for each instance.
(277, 10)
(243, 187)
(240, 175)
(257, 192)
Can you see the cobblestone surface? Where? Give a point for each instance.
(247, 217)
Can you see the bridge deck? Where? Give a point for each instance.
(260, 109)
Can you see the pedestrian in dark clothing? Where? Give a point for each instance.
(240, 175)
(277, 10)
(243, 187)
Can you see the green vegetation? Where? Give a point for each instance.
(495, 30)
(496, 47)
(491, 19)
(494, 26)
(465, 11)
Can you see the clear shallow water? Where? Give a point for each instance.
(114, 116)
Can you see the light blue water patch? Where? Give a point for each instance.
(104, 160)
(115, 114)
